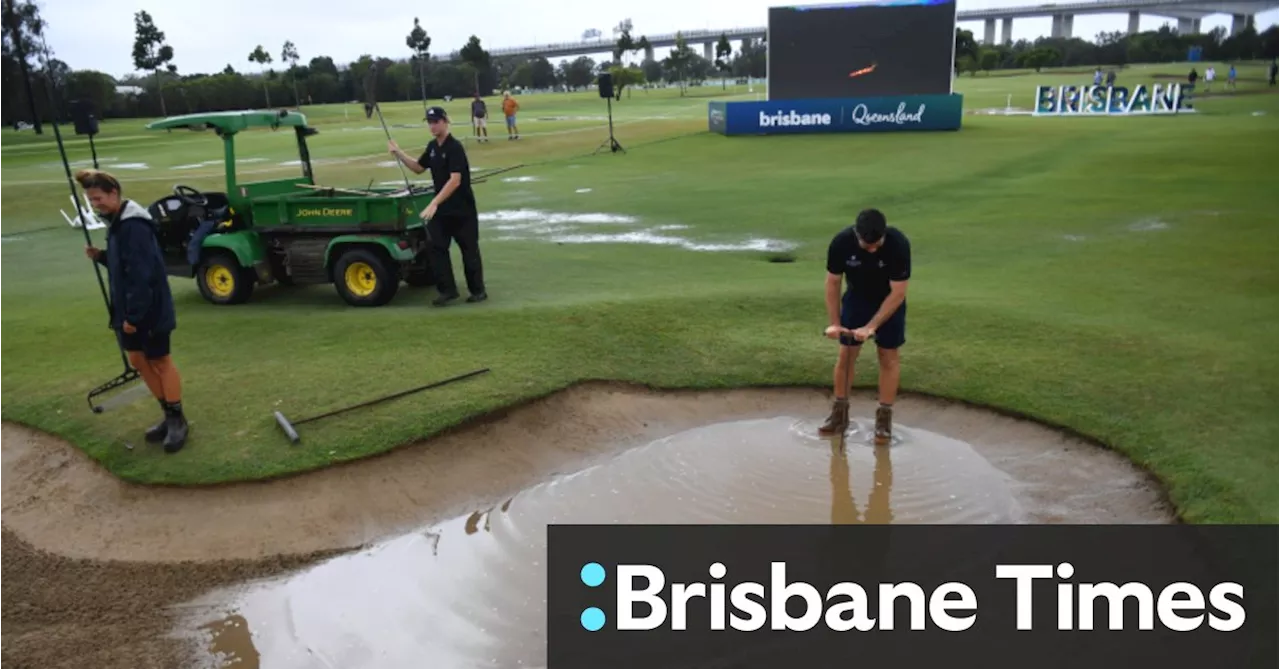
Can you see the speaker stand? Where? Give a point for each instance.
(611, 143)
(93, 150)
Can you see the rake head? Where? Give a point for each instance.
(122, 393)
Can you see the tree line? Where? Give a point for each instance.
(286, 78)
(1164, 45)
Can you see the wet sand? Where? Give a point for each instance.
(479, 498)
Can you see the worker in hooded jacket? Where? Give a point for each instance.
(142, 312)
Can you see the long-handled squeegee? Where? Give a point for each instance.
(129, 375)
(291, 431)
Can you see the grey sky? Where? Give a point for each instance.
(208, 35)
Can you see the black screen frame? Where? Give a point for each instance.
(769, 89)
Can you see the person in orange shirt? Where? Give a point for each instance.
(509, 109)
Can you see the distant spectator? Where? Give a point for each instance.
(479, 120)
(509, 109)
(1231, 77)
(1271, 74)
(1209, 75)
(1111, 78)
(1097, 76)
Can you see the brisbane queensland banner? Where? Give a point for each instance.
(839, 596)
(875, 65)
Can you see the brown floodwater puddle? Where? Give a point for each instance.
(470, 592)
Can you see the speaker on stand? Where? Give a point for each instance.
(85, 118)
(605, 82)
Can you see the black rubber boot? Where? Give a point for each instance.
(176, 423)
(838, 421)
(884, 425)
(156, 433)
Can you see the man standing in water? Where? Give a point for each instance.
(142, 311)
(876, 261)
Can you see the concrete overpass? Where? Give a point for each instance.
(1188, 13)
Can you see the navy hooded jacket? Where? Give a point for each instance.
(135, 265)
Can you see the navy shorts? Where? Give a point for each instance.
(856, 312)
(154, 345)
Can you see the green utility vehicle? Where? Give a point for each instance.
(289, 231)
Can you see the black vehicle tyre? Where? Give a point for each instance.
(419, 278)
(365, 278)
(222, 280)
(278, 271)
(419, 273)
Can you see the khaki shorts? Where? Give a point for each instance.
(480, 121)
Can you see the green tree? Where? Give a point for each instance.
(419, 42)
(652, 70)
(97, 87)
(474, 55)
(624, 77)
(677, 62)
(965, 46)
(624, 43)
(150, 53)
(323, 65)
(544, 73)
(643, 46)
(290, 55)
(261, 57)
(522, 76)
(578, 72)
(22, 22)
(988, 59)
(724, 52)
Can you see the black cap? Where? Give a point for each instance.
(437, 114)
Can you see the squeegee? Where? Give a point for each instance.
(290, 428)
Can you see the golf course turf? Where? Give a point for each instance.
(1109, 275)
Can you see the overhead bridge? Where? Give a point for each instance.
(1188, 13)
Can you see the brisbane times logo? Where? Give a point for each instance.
(644, 601)
(771, 596)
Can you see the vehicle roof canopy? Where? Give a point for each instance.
(229, 122)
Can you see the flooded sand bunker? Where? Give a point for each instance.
(470, 591)
(60, 500)
(61, 508)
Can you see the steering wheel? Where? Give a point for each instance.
(190, 195)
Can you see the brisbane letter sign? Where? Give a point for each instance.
(1110, 100)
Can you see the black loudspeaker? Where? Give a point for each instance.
(85, 117)
(606, 85)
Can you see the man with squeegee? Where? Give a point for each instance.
(876, 260)
(452, 212)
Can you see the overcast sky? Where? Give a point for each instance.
(208, 35)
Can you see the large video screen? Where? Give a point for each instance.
(861, 49)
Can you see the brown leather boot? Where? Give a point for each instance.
(884, 425)
(838, 421)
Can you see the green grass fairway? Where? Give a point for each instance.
(1113, 275)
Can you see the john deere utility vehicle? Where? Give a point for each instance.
(290, 231)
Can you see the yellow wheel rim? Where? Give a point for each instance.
(221, 281)
(361, 279)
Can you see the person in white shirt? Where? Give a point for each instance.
(1208, 79)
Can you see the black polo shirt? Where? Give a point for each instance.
(868, 274)
(443, 160)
